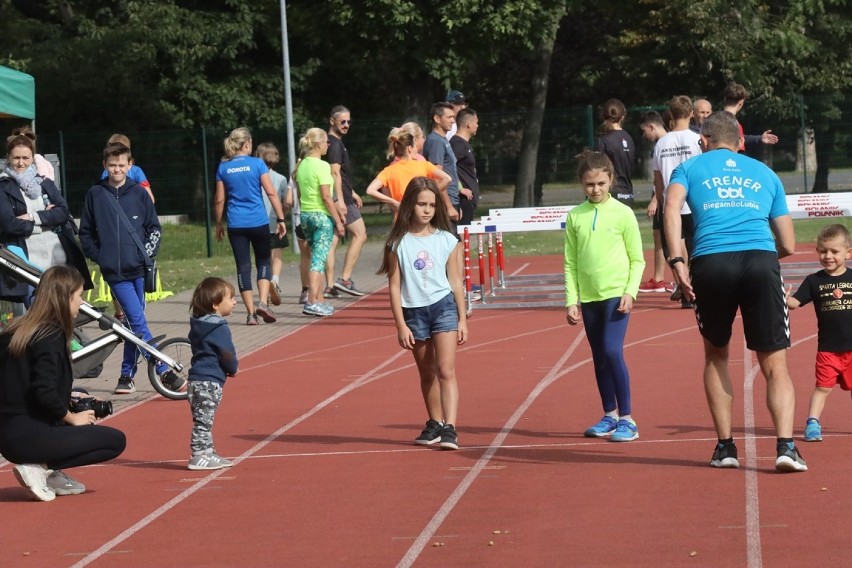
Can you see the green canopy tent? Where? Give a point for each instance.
(17, 94)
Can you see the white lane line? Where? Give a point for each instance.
(754, 551)
(144, 522)
(440, 516)
(429, 530)
(752, 498)
(369, 377)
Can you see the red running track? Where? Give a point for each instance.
(321, 423)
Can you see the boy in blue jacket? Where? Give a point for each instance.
(106, 239)
(214, 358)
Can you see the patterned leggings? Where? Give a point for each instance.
(204, 399)
(320, 232)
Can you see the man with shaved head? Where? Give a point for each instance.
(701, 109)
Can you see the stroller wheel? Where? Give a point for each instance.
(172, 383)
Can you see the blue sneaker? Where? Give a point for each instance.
(602, 429)
(625, 431)
(813, 430)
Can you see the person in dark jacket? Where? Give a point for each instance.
(37, 430)
(34, 217)
(214, 358)
(109, 207)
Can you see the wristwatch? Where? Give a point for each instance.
(282, 220)
(675, 260)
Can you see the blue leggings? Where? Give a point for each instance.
(258, 238)
(606, 328)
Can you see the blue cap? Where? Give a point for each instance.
(456, 98)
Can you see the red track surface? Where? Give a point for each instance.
(321, 425)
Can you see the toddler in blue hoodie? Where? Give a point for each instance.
(214, 358)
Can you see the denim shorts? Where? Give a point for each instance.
(439, 317)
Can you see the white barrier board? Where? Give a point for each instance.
(519, 219)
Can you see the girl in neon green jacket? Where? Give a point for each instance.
(603, 269)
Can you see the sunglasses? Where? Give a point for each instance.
(345, 122)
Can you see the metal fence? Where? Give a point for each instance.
(181, 164)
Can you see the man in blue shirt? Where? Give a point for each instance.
(742, 227)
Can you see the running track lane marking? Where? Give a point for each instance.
(752, 499)
(352, 386)
(442, 513)
(139, 525)
(369, 377)
(554, 375)
(753, 547)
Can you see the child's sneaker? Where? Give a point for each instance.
(125, 386)
(431, 434)
(789, 458)
(449, 438)
(813, 430)
(33, 477)
(602, 429)
(625, 431)
(725, 456)
(208, 462)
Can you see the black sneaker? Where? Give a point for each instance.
(789, 459)
(172, 381)
(125, 386)
(449, 438)
(431, 434)
(677, 294)
(725, 455)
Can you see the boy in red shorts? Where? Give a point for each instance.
(830, 290)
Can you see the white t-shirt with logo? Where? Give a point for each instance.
(672, 150)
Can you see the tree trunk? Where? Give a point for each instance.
(823, 144)
(527, 161)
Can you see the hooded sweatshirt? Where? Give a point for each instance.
(214, 357)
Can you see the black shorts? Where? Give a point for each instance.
(749, 280)
(687, 233)
(278, 243)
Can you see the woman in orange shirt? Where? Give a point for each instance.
(395, 178)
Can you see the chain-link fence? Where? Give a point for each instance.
(181, 164)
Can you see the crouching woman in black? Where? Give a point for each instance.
(37, 430)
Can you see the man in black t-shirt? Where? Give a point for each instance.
(468, 124)
(348, 204)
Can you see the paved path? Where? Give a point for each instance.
(171, 317)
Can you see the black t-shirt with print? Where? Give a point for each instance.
(832, 298)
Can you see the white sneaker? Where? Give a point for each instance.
(33, 476)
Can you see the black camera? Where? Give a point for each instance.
(101, 407)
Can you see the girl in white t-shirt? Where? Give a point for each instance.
(421, 259)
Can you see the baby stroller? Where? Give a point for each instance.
(175, 352)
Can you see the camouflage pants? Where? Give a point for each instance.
(204, 399)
